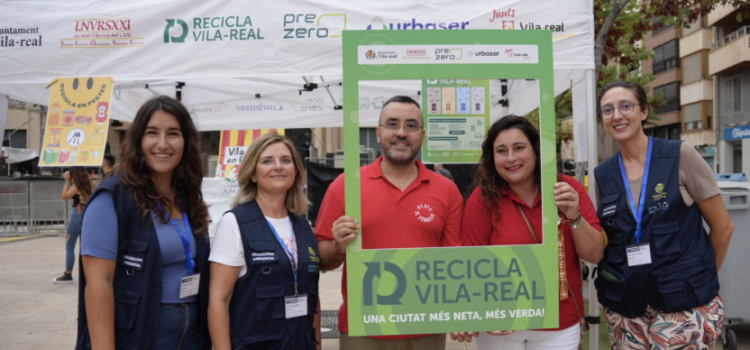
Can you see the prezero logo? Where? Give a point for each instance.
(415, 24)
(308, 25)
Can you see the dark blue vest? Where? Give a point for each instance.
(256, 312)
(682, 274)
(138, 287)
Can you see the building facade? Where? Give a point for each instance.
(729, 65)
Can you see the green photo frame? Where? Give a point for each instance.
(456, 289)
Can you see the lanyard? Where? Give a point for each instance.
(638, 214)
(290, 252)
(189, 263)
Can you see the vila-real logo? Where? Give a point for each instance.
(308, 25)
(106, 33)
(205, 29)
(21, 37)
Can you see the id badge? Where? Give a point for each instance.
(189, 285)
(638, 254)
(295, 306)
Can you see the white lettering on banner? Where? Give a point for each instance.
(443, 316)
(738, 133)
(437, 54)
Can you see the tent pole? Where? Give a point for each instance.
(593, 161)
(329, 92)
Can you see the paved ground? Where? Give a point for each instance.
(37, 314)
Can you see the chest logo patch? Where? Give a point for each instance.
(424, 213)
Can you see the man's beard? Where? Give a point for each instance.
(400, 159)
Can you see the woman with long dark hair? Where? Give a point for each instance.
(77, 187)
(505, 209)
(144, 243)
(658, 280)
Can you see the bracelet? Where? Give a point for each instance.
(69, 183)
(575, 223)
(336, 246)
(576, 218)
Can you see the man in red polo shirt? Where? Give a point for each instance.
(404, 205)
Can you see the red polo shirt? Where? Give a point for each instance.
(426, 214)
(511, 229)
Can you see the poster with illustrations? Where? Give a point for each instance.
(77, 122)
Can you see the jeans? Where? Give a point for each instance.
(178, 327)
(73, 231)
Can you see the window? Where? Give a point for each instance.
(732, 95)
(694, 116)
(666, 57)
(671, 96)
(692, 69)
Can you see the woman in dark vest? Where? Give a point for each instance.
(658, 279)
(144, 244)
(264, 261)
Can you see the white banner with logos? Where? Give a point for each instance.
(242, 65)
(3, 116)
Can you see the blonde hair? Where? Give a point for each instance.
(296, 201)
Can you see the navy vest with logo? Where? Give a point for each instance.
(257, 310)
(682, 274)
(138, 280)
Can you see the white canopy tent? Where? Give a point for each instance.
(240, 66)
(243, 66)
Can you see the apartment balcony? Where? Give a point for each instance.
(719, 13)
(697, 41)
(732, 51)
(699, 137)
(701, 90)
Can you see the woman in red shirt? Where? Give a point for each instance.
(505, 198)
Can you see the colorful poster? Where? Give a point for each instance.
(77, 122)
(439, 290)
(232, 147)
(456, 134)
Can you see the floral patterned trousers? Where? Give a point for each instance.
(694, 329)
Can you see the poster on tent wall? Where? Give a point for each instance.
(233, 144)
(450, 289)
(77, 122)
(457, 115)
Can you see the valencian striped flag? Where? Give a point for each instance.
(233, 147)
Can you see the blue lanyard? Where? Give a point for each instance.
(638, 214)
(189, 263)
(291, 253)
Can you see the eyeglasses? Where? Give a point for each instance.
(409, 126)
(626, 107)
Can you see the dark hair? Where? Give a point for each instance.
(188, 175)
(487, 179)
(82, 181)
(636, 89)
(400, 99)
(110, 159)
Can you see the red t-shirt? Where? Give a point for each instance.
(511, 229)
(426, 214)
